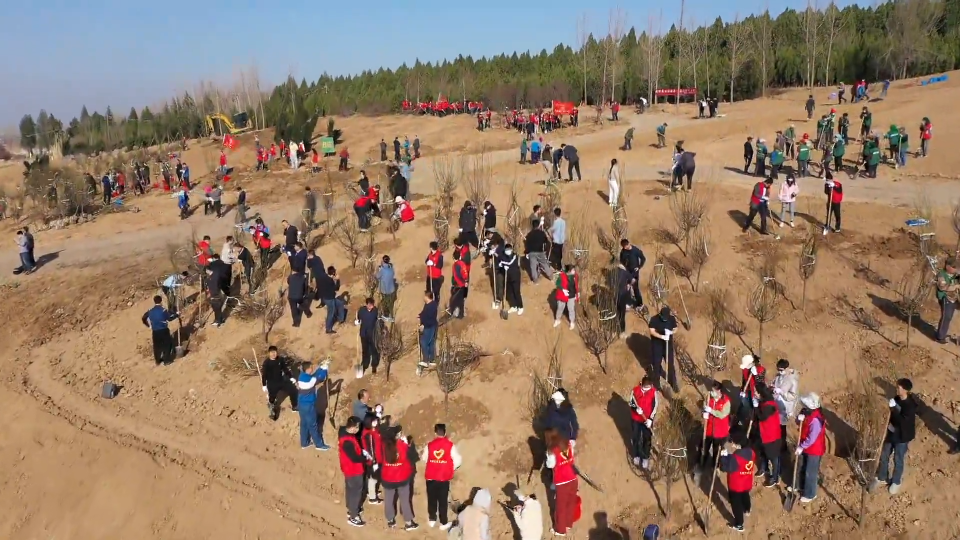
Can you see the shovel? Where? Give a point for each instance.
(792, 493)
(179, 350)
(587, 479)
(698, 471)
(713, 484)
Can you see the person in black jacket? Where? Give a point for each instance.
(428, 331)
(364, 183)
(535, 247)
(246, 261)
(290, 237)
(557, 158)
(573, 161)
(215, 296)
(315, 268)
(686, 166)
(276, 378)
(492, 246)
(562, 417)
(747, 155)
(367, 319)
(327, 286)
(901, 429)
(398, 184)
(489, 216)
(620, 282)
(468, 224)
(396, 149)
(297, 293)
(632, 258)
(298, 260)
(222, 275)
(510, 265)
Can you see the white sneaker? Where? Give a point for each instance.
(520, 311)
(446, 526)
(512, 310)
(781, 224)
(791, 224)
(496, 305)
(805, 500)
(894, 489)
(431, 524)
(556, 324)
(573, 326)
(636, 462)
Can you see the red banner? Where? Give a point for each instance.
(563, 107)
(674, 92)
(229, 141)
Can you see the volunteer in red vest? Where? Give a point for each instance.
(812, 447)
(568, 293)
(396, 475)
(223, 162)
(404, 210)
(926, 133)
(560, 458)
(442, 459)
(459, 285)
(372, 445)
(643, 407)
(362, 208)
(759, 201)
(833, 189)
(739, 464)
(204, 252)
(771, 441)
(373, 194)
(434, 262)
(352, 463)
(751, 373)
(716, 413)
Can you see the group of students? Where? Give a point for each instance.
(542, 152)
(760, 202)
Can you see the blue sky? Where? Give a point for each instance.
(60, 55)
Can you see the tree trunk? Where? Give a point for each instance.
(863, 506)
(760, 348)
(909, 325)
(803, 298)
(680, 54)
(666, 502)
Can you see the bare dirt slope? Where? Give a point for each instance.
(187, 451)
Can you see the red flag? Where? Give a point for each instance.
(229, 142)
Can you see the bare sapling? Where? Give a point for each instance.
(673, 427)
(808, 262)
(368, 268)
(441, 225)
(763, 305)
(689, 209)
(868, 415)
(348, 235)
(477, 181)
(597, 321)
(272, 311)
(912, 291)
(550, 200)
(699, 253)
(659, 281)
(955, 221)
(391, 342)
(715, 357)
(579, 240)
(515, 226)
(454, 357)
(608, 242)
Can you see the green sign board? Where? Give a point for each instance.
(326, 145)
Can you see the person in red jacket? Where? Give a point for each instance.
(759, 204)
(643, 407)
(315, 159)
(442, 459)
(362, 208)
(833, 189)
(716, 413)
(434, 262)
(812, 446)
(739, 464)
(352, 463)
(273, 154)
(372, 444)
(396, 475)
(568, 294)
(771, 441)
(459, 283)
(560, 458)
(223, 162)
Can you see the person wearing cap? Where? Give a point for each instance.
(901, 430)
(662, 328)
(752, 373)
(947, 287)
(739, 462)
(404, 211)
(761, 169)
(812, 445)
(561, 416)
(786, 386)
(643, 409)
(442, 459)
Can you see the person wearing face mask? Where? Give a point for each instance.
(901, 430)
(434, 262)
(562, 417)
(716, 413)
(643, 408)
(771, 441)
(752, 373)
(352, 463)
(812, 446)
(510, 265)
(662, 328)
(786, 388)
(371, 443)
(489, 216)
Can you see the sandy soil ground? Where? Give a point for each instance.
(184, 443)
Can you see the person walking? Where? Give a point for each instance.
(662, 328)
(738, 463)
(771, 437)
(510, 265)
(536, 246)
(156, 319)
(278, 381)
(633, 259)
(467, 224)
(371, 442)
(747, 155)
(428, 331)
(558, 237)
(298, 296)
(367, 319)
(568, 294)
(901, 430)
(460, 281)
(759, 199)
(643, 408)
(948, 286)
(307, 383)
(561, 460)
(434, 262)
(716, 414)
(442, 459)
(397, 479)
(788, 194)
(352, 462)
(813, 444)
(613, 181)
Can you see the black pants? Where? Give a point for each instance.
(369, 354)
(659, 351)
(458, 296)
(838, 163)
(216, 304)
(761, 167)
(363, 217)
(218, 208)
(740, 504)
(640, 440)
(790, 150)
(162, 346)
(571, 166)
(248, 274)
(689, 175)
(106, 196)
(298, 308)
(711, 450)
(746, 164)
(763, 211)
(622, 301)
(396, 154)
(499, 292)
(438, 494)
(343, 164)
(383, 155)
(835, 210)
(276, 390)
(471, 238)
(433, 285)
(513, 292)
(556, 256)
(635, 289)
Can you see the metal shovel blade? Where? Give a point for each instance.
(180, 351)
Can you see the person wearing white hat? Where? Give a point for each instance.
(562, 417)
(812, 445)
(751, 373)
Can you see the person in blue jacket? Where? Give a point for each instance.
(307, 384)
(156, 319)
(183, 202)
(562, 417)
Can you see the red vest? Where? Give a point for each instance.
(400, 471)
(465, 257)
(373, 195)
(434, 271)
(836, 195)
(819, 446)
(361, 202)
(927, 132)
(760, 189)
(718, 428)
(460, 268)
(770, 428)
(223, 160)
(372, 443)
(565, 285)
(439, 461)
(316, 159)
(348, 467)
(751, 388)
(203, 253)
(563, 471)
(645, 401)
(741, 480)
(406, 213)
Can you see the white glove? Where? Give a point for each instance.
(799, 451)
(376, 467)
(573, 444)
(893, 402)
(706, 415)
(459, 230)
(743, 394)
(800, 417)
(566, 293)
(378, 410)
(724, 452)
(830, 185)
(777, 391)
(708, 409)
(753, 370)
(367, 455)
(429, 263)
(325, 364)
(356, 322)
(648, 423)
(755, 403)
(264, 389)
(293, 381)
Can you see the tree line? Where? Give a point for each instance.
(740, 59)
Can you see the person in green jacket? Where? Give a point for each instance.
(904, 146)
(845, 128)
(839, 148)
(803, 157)
(866, 122)
(628, 140)
(821, 126)
(662, 135)
(776, 161)
(893, 139)
(873, 159)
(790, 135)
(761, 157)
(947, 287)
(523, 150)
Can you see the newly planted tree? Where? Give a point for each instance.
(673, 428)
(689, 209)
(699, 252)
(597, 321)
(351, 239)
(763, 305)
(912, 291)
(868, 415)
(808, 261)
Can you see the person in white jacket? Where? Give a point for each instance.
(528, 516)
(786, 389)
(613, 179)
(788, 194)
